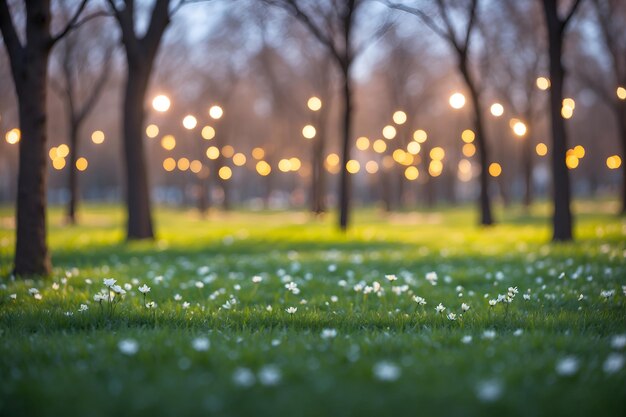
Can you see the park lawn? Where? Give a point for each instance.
(343, 352)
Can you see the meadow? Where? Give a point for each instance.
(277, 313)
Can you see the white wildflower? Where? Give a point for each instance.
(386, 371)
(440, 308)
(467, 339)
(109, 282)
(186, 305)
(489, 334)
(128, 346)
(613, 363)
(419, 300)
(451, 316)
(432, 278)
(492, 303)
(567, 366)
(151, 304)
(144, 289)
(33, 291)
(270, 375)
(465, 307)
(391, 278)
(257, 278)
(329, 333)
(200, 344)
(618, 341)
(291, 310)
(243, 377)
(83, 307)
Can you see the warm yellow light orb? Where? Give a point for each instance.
(569, 102)
(216, 112)
(353, 166)
(435, 168)
(468, 136)
(263, 168)
(495, 169)
(284, 165)
(332, 159)
(296, 164)
(161, 103)
(469, 150)
(228, 151)
(314, 103)
(183, 164)
(457, 101)
(97, 137)
(13, 136)
(239, 159)
(519, 128)
(58, 163)
(308, 132)
(82, 164)
(497, 109)
(362, 143)
(63, 150)
(152, 131)
(225, 173)
(399, 117)
(613, 162)
(413, 148)
(567, 112)
(579, 151)
(411, 173)
(572, 161)
(543, 83)
(437, 153)
(420, 136)
(190, 122)
(258, 153)
(169, 164)
(541, 149)
(389, 132)
(195, 166)
(621, 93)
(208, 132)
(212, 152)
(379, 146)
(371, 167)
(168, 142)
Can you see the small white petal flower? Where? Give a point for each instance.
(489, 334)
(567, 366)
(109, 282)
(391, 278)
(581, 297)
(526, 297)
(270, 375)
(467, 339)
(465, 307)
(55, 286)
(37, 296)
(178, 297)
(613, 363)
(386, 371)
(13, 296)
(329, 333)
(492, 302)
(186, 305)
(118, 290)
(419, 300)
(243, 377)
(268, 308)
(518, 332)
(151, 305)
(440, 308)
(33, 291)
(618, 341)
(144, 289)
(291, 310)
(451, 316)
(128, 346)
(83, 307)
(257, 278)
(201, 344)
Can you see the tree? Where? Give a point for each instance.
(514, 44)
(459, 41)
(29, 67)
(332, 23)
(611, 18)
(141, 51)
(561, 193)
(81, 85)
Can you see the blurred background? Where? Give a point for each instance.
(241, 93)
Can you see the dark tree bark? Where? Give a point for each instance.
(318, 173)
(29, 68)
(141, 52)
(562, 215)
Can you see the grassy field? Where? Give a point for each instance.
(272, 314)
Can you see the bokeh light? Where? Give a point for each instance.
(152, 131)
(82, 164)
(362, 143)
(457, 101)
(161, 103)
(190, 122)
(97, 137)
(399, 117)
(495, 169)
(389, 132)
(308, 132)
(168, 142)
(497, 109)
(613, 162)
(543, 83)
(213, 152)
(216, 112)
(225, 173)
(468, 136)
(541, 149)
(314, 103)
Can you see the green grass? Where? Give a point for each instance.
(57, 361)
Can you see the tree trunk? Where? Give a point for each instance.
(344, 184)
(527, 162)
(31, 251)
(621, 121)
(562, 216)
(73, 172)
(318, 175)
(486, 217)
(139, 224)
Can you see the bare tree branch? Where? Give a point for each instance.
(9, 34)
(570, 14)
(71, 24)
(428, 21)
